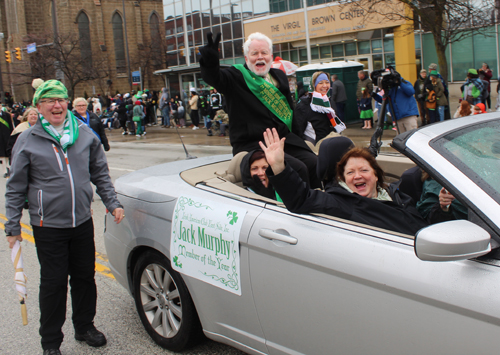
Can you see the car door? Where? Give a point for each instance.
(325, 286)
(227, 317)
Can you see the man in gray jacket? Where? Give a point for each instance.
(338, 97)
(53, 164)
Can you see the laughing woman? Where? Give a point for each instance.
(360, 195)
(313, 117)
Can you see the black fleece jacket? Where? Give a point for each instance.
(398, 215)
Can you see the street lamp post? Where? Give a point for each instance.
(126, 46)
(308, 44)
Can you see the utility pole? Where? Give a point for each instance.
(2, 95)
(126, 46)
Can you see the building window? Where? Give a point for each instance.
(121, 66)
(156, 41)
(350, 49)
(364, 47)
(338, 50)
(84, 34)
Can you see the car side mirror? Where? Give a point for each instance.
(452, 240)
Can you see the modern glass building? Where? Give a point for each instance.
(187, 23)
(335, 34)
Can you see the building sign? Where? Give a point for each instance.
(204, 243)
(328, 20)
(136, 78)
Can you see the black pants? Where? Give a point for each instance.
(62, 252)
(195, 118)
(123, 123)
(304, 162)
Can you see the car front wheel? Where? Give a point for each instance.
(164, 303)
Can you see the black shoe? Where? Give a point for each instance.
(209, 134)
(92, 337)
(51, 352)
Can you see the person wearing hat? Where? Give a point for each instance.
(420, 96)
(472, 88)
(53, 164)
(441, 99)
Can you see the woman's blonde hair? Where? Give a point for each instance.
(27, 112)
(79, 99)
(315, 76)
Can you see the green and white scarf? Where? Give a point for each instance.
(321, 103)
(70, 130)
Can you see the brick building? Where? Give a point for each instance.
(93, 41)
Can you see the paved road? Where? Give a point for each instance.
(116, 315)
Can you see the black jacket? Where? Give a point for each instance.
(303, 114)
(399, 215)
(97, 126)
(248, 117)
(254, 183)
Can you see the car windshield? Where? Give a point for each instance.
(475, 150)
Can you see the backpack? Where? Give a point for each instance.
(431, 101)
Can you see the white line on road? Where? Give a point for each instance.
(121, 169)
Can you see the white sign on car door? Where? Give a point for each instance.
(204, 241)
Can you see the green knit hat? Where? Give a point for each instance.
(472, 71)
(50, 88)
(434, 73)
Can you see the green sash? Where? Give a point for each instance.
(4, 122)
(268, 94)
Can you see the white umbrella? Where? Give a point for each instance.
(20, 279)
(286, 66)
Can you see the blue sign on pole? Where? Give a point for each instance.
(136, 77)
(31, 48)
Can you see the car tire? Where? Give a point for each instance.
(164, 303)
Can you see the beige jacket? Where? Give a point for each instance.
(193, 102)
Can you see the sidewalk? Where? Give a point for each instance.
(157, 134)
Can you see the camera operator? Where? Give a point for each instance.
(404, 107)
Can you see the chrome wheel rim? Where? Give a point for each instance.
(160, 300)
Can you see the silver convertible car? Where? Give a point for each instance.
(203, 256)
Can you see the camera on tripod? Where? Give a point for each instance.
(386, 78)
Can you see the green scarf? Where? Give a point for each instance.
(70, 131)
(268, 94)
(382, 195)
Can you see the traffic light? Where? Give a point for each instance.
(19, 55)
(8, 57)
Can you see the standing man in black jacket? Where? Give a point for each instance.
(257, 97)
(338, 97)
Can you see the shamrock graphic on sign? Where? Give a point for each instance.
(233, 217)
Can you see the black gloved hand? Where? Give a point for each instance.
(210, 52)
(375, 145)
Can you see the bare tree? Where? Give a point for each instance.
(150, 58)
(65, 60)
(448, 20)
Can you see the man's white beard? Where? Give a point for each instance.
(252, 68)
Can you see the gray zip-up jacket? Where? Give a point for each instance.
(57, 184)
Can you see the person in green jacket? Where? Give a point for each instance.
(137, 113)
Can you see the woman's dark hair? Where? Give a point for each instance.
(259, 154)
(360, 153)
